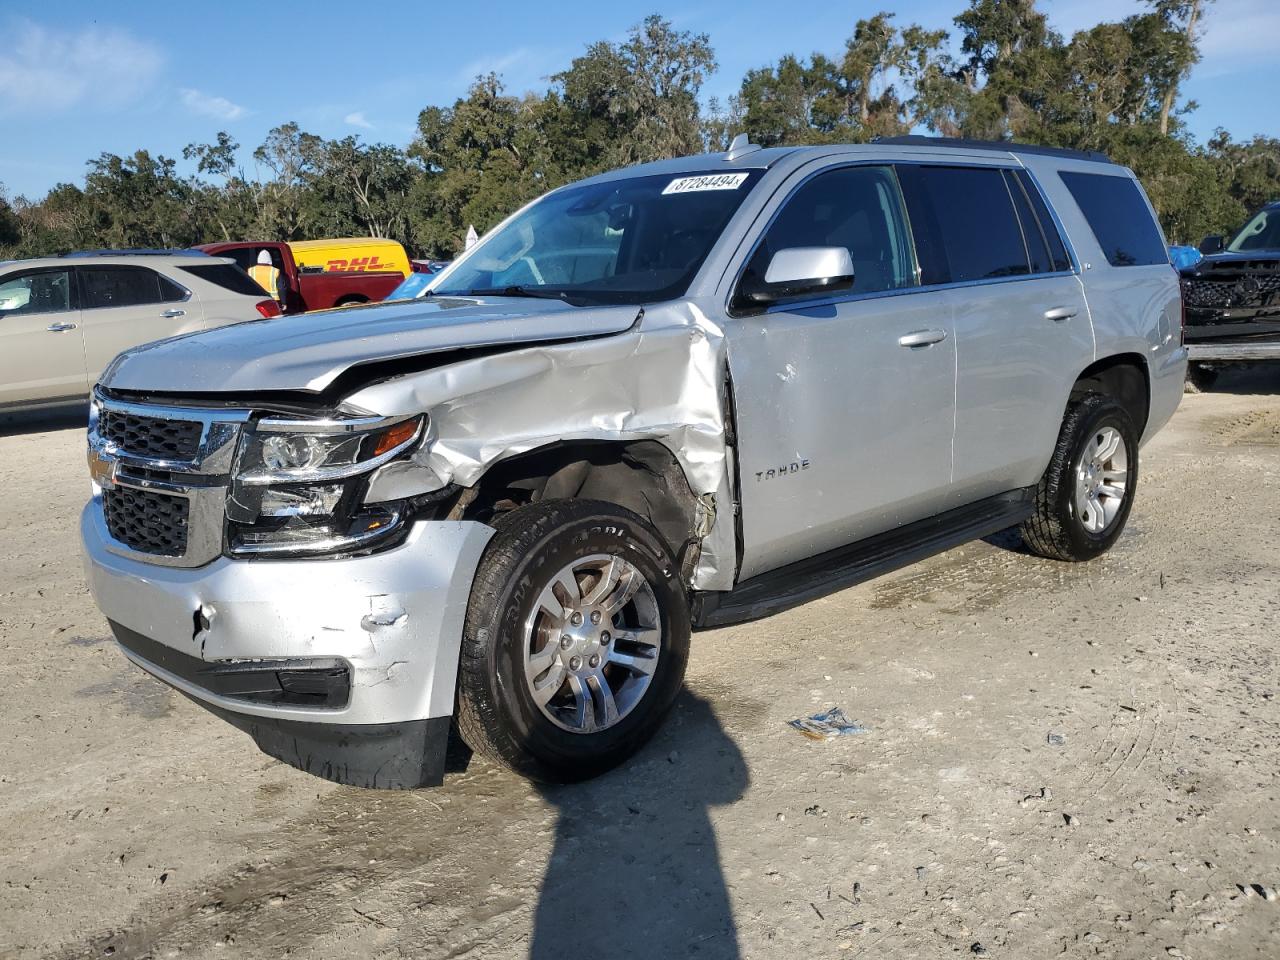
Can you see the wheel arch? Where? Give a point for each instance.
(644, 476)
(1124, 376)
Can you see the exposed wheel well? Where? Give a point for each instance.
(642, 475)
(352, 298)
(1124, 377)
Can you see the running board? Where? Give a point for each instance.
(815, 577)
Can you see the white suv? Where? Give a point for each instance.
(62, 319)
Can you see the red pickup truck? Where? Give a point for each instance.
(332, 282)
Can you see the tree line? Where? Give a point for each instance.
(1115, 87)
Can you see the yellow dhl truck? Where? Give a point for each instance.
(317, 274)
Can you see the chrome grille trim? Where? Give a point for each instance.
(202, 477)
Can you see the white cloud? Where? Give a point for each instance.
(220, 108)
(52, 69)
(1242, 34)
(499, 64)
(357, 119)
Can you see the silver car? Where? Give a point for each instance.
(679, 395)
(63, 319)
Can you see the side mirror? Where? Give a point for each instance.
(1214, 243)
(803, 272)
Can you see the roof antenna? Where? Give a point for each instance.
(740, 147)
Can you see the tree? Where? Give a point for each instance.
(854, 99)
(290, 154)
(1180, 53)
(356, 188)
(639, 98)
(10, 228)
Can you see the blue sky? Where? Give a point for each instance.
(79, 78)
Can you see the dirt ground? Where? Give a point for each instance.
(1061, 760)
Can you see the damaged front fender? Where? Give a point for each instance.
(660, 380)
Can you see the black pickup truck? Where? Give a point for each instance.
(1232, 297)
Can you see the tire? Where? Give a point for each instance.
(520, 621)
(1060, 528)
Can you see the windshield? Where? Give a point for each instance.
(1260, 233)
(638, 240)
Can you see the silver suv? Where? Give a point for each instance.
(62, 319)
(679, 395)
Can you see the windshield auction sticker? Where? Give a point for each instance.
(715, 181)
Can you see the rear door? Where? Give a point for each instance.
(1021, 324)
(41, 351)
(125, 305)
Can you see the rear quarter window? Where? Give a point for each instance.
(1119, 218)
(227, 276)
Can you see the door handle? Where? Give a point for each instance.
(169, 314)
(60, 327)
(1058, 314)
(922, 338)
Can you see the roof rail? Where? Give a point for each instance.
(139, 252)
(1008, 146)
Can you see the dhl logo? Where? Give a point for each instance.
(354, 265)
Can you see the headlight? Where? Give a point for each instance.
(299, 485)
(293, 451)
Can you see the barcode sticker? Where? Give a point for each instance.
(715, 181)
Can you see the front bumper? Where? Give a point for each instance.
(374, 640)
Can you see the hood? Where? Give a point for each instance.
(309, 351)
(1237, 263)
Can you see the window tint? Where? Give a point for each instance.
(964, 223)
(1118, 217)
(858, 208)
(1032, 236)
(1057, 249)
(47, 291)
(226, 276)
(119, 286)
(170, 292)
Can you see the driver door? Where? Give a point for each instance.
(845, 404)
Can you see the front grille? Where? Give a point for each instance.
(1253, 290)
(148, 522)
(150, 436)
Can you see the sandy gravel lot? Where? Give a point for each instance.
(1062, 760)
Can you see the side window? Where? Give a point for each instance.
(1057, 249)
(45, 291)
(119, 286)
(171, 292)
(964, 224)
(858, 208)
(1032, 235)
(1118, 217)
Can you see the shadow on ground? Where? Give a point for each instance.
(64, 417)
(1246, 379)
(644, 879)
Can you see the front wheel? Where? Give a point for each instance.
(1085, 495)
(576, 639)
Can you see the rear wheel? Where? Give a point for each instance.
(1084, 497)
(576, 640)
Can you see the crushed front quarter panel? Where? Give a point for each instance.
(660, 380)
